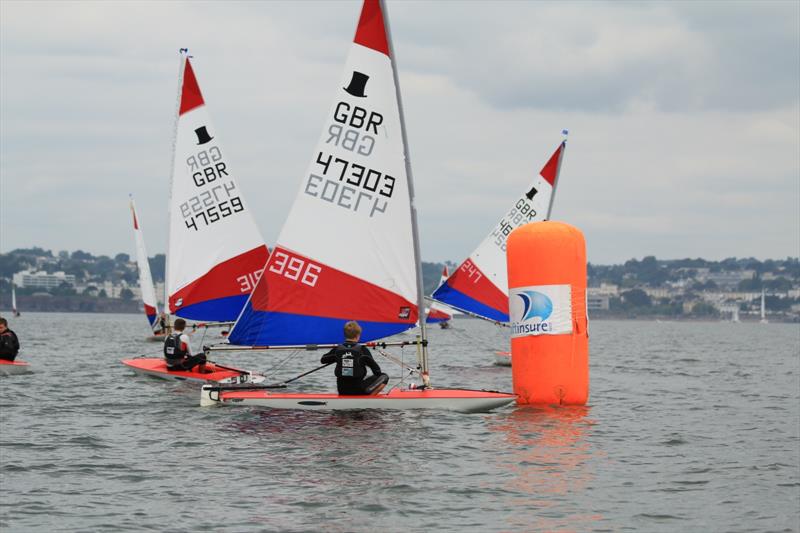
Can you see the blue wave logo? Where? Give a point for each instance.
(535, 304)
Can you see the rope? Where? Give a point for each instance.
(275, 368)
(397, 361)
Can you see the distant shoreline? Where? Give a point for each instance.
(6, 313)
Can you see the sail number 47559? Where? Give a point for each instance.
(295, 268)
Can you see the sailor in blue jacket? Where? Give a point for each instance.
(352, 360)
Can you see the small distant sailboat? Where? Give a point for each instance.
(359, 188)
(438, 313)
(14, 311)
(215, 254)
(763, 309)
(146, 280)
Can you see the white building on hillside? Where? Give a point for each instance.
(42, 280)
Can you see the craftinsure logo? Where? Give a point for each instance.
(535, 304)
(540, 310)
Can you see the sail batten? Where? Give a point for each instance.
(216, 252)
(479, 286)
(354, 196)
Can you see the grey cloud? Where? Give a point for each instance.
(607, 57)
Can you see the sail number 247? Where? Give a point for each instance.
(294, 268)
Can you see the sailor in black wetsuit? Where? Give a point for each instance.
(9, 343)
(178, 351)
(352, 360)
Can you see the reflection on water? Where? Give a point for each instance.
(548, 457)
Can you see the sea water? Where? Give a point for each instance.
(689, 427)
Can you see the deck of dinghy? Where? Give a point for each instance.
(157, 367)
(463, 400)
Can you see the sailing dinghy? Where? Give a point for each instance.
(479, 287)
(359, 184)
(216, 253)
(13, 368)
(438, 313)
(214, 372)
(146, 281)
(14, 311)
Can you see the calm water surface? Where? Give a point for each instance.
(690, 427)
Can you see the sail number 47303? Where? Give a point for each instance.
(295, 268)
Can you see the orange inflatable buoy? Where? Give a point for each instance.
(547, 310)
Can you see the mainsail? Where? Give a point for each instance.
(216, 252)
(480, 285)
(145, 279)
(346, 251)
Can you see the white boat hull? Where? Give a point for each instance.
(466, 401)
(14, 368)
(502, 358)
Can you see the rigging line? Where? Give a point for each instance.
(400, 382)
(395, 360)
(203, 338)
(275, 368)
(306, 373)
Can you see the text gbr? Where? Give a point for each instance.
(218, 200)
(346, 184)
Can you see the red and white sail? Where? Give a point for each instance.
(480, 284)
(145, 279)
(346, 251)
(438, 312)
(216, 252)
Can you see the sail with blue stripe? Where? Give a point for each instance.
(479, 286)
(346, 251)
(216, 252)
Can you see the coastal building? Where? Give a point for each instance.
(657, 292)
(42, 280)
(728, 279)
(605, 289)
(598, 302)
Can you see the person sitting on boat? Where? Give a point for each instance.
(9, 343)
(352, 360)
(162, 324)
(178, 350)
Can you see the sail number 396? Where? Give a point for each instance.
(295, 268)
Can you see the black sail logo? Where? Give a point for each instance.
(357, 84)
(203, 136)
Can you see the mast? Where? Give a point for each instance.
(182, 54)
(558, 173)
(414, 226)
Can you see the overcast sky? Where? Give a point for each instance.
(684, 117)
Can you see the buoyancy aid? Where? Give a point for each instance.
(173, 349)
(348, 361)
